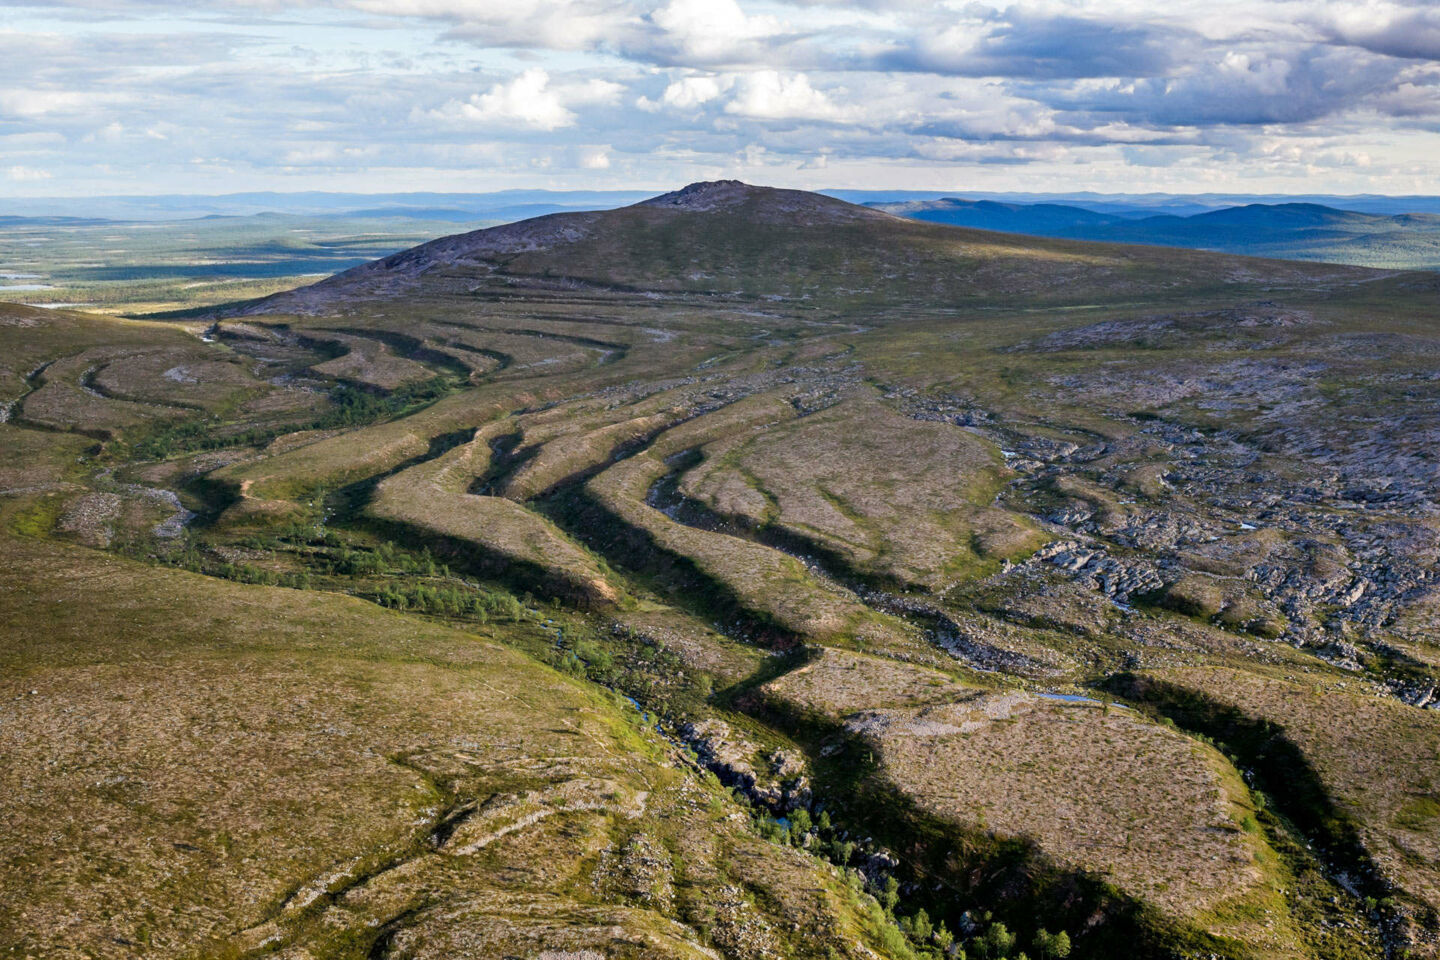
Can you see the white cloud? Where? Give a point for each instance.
(111, 131)
(27, 173)
(524, 101)
(530, 101)
(771, 95)
(1264, 75)
(303, 156)
(595, 158)
(539, 24)
(687, 93)
(328, 154)
(712, 30)
(26, 104)
(38, 139)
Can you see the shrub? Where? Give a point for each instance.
(942, 936)
(1052, 946)
(893, 942)
(889, 894)
(594, 655)
(997, 942)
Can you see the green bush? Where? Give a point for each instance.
(1052, 946)
(997, 942)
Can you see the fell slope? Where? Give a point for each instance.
(728, 239)
(203, 768)
(841, 500)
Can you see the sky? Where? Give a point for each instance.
(105, 97)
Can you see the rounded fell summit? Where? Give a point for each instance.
(726, 238)
(705, 236)
(763, 204)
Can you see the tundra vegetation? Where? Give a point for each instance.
(740, 574)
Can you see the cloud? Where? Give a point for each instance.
(534, 24)
(757, 95)
(1274, 86)
(526, 91)
(1386, 28)
(771, 95)
(595, 158)
(526, 101)
(707, 31)
(21, 104)
(530, 101)
(1417, 98)
(18, 172)
(1018, 44)
(687, 93)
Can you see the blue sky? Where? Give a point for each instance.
(209, 96)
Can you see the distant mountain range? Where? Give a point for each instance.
(522, 204)
(504, 205)
(1291, 231)
(1373, 231)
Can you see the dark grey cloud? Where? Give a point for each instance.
(1022, 45)
(1406, 33)
(1267, 86)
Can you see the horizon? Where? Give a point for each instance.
(434, 213)
(657, 190)
(520, 203)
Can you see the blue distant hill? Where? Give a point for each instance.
(519, 204)
(1292, 231)
(1367, 230)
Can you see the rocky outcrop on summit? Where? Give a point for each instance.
(764, 204)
